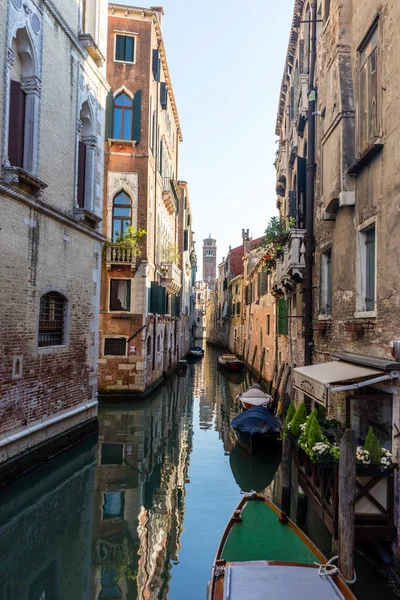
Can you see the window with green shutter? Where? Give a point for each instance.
(137, 116)
(125, 48)
(246, 295)
(282, 317)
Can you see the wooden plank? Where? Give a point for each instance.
(286, 474)
(254, 357)
(278, 380)
(262, 364)
(284, 387)
(347, 493)
(271, 383)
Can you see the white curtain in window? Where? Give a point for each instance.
(123, 294)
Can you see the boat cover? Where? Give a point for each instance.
(256, 419)
(196, 349)
(254, 581)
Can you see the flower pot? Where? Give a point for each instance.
(374, 470)
(319, 326)
(326, 463)
(354, 327)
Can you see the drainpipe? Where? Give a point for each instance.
(309, 238)
(157, 149)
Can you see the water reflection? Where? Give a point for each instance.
(143, 458)
(45, 529)
(140, 515)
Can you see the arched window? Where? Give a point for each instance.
(123, 112)
(122, 215)
(52, 318)
(149, 346)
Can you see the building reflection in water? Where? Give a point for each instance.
(142, 464)
(46, 528)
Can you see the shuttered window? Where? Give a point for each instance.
(156, 65)
(282, 317)
(163, 95)
(16, 125)
(238, 308)
(81, 174)
(370, 270)
(157, 299)
(326, 283)
(185, 240)
(123, 108)
(125, 48)
(137, 102)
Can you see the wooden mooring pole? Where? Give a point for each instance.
(286, 474)
(347, 494)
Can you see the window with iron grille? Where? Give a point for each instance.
(115, 347)
(52, 316)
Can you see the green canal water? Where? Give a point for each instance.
(138, 513)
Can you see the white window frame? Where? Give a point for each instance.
(361, 273)
(126, 34)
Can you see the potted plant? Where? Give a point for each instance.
(373, 458)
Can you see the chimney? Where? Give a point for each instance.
(160, 11)
(245, 234)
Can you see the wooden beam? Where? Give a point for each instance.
(278, 380)
(347, 493)
(286, 474)
(262, 364)
(284, 387)
(271, 384)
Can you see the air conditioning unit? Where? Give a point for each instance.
(395, 349)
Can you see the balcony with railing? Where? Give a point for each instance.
(170, 195)
(170, 277)
(119, 255)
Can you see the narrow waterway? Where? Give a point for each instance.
(139, 514)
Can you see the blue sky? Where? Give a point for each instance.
(226, 60)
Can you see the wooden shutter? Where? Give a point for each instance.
(246, 295)
(161, 304)
(173, 305)
(156, 65)
(282, 317)
(163, 95)
(120, 47)
(185, 240)
(16, 125)
(129, 48)
(109, 115)
(328, 283)
(160, 159)
(137, 104)
(238, 308)
(259, 284)
(178, 306)
(293, 206)
(153, 297)
(370, 270)
(81, 174)
(301, 192)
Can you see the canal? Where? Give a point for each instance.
(138, 513)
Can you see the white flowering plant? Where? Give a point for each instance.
(386, 459)
(363, 457)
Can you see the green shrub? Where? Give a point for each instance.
(314, 432)
(373, 447)
(299, 418)
(290, 413)
(314, 415)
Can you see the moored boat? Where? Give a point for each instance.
(264, 554)
(255, 427)
(254, 396)
(231, 362)
(196, 352)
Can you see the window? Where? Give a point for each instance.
(149, 346)
(120, 294)
(112, 454)
(367, 271)
(268, 324)
(114, 504)
(123, 113)
(326, 283)
(122, 215)
(52, 318)
(368, 106)
(115, 347)
(125, 48)
(16, 129)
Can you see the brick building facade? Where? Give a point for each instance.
(51, 180)
(141, 333)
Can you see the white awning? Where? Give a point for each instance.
(316, 381)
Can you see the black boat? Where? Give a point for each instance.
(196, 352)
(255, 427)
